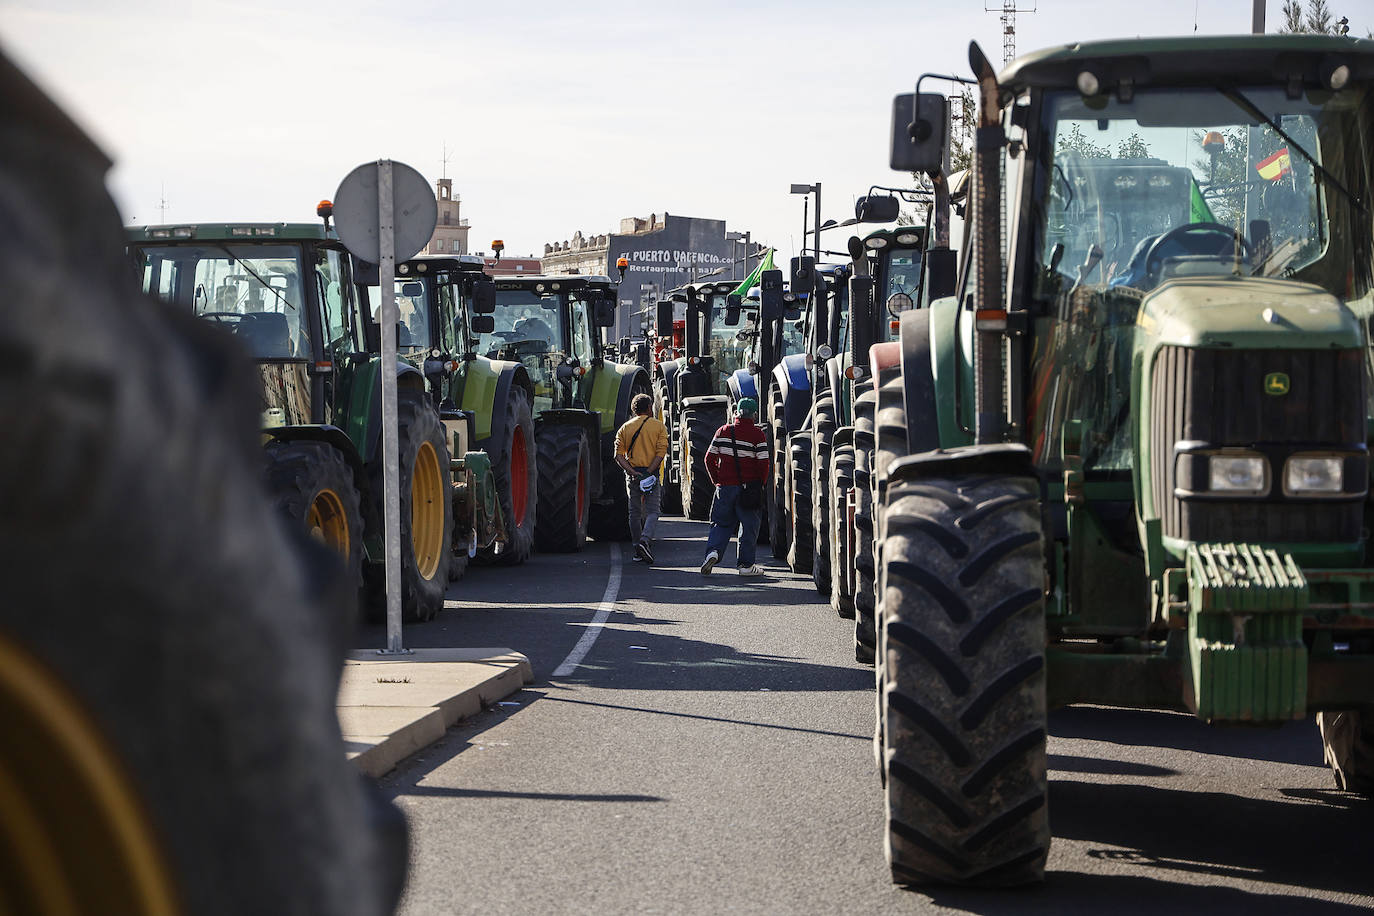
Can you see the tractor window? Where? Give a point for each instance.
(453, 329)
(333, 285)
(1211, 181)
(581, 333)
(254, 291)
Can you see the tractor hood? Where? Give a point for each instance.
(1247, 312)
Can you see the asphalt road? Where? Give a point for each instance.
(713, 753)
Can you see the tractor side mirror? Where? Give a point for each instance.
(483, 324)
(603, 312)
(483, 296)
(941, 269)
(803, 275)
(770, 295)
(665, 317)
(365, 273)
(881, 209)
(732, 309)
(920, 133)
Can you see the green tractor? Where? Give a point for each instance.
(445, 304)
(691, 391)
(288, 293)
(1128, 464)
(884, 280)
(553, 326)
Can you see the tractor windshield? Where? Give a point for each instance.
(528, 330)
(1180, 182)
(254, 290)
(730, 344)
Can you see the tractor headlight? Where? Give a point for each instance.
(1303, 475)
(1242, 474)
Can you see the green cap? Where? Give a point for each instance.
(747, 407)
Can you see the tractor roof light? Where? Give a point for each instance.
(324, 209)
(854, 373)
(877, 244)
(908, 238)
(1088, 83)
(240, 230)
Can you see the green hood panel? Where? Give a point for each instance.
(1247, 312)
(479, 382)
(608, 380)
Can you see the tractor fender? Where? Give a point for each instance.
(742, 384)
(588, 421)
(1000, 459)
(331, 436)
(668, 371)
(930, 360)
(707, 400)
(365, 427)
(487, 388)
(693, 381)
(612, 389)
(793, 383)
(834, 375)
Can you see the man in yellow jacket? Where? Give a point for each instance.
(640, 447)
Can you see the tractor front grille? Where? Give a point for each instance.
(1217, 399)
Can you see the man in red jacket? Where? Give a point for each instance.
(737, 463)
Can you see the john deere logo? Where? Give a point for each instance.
(1276, 384)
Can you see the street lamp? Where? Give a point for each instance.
(807, 189)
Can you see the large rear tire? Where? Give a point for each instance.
(822, 439)
(699, 425)
(672, 489)
(426, 511)
(865, 633)
(963, 698)
(565, 468)
(841, 537)
(516, 471)
(1348, 746)
(779, 525)
(802, 547)
(312, 485)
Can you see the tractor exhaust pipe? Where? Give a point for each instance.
(990, 314)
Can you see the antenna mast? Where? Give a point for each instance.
(1008, 9)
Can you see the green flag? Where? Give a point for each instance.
(1198, 211)
(753, 279)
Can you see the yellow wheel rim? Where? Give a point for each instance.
(427, 511)
(78, 837)
(328, 523)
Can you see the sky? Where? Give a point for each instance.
(556, 117)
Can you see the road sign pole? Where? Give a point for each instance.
(391, 470)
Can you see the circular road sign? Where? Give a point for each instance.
(414, 211)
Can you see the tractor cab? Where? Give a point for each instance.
(284, 290)
(535, 323)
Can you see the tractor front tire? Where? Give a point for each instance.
(822, 439)
(963, 686)
(865, 632)
(841, 537)
(802, 549)
(699, 425)
(426, 511)
(312, 485)
(1348, 747)
(565, 470)
(517, 481)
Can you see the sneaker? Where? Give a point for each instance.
(641, 554)
(711, 560)
(643, 548)
(753, 571)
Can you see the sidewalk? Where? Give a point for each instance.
(392, 706)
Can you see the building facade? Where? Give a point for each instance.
(663, 251)
(511, 267)
(450, 230)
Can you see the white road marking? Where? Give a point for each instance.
(584, 645)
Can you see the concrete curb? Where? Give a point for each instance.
(392, 706)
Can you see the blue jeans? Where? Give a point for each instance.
(728, 519)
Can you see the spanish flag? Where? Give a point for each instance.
(1276, 166)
